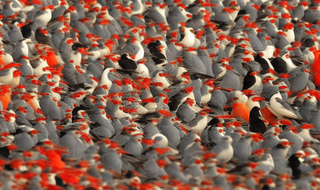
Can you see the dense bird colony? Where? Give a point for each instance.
(161, 94)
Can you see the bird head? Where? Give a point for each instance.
(267, 79)
(233, 123)
(189, 101)
(254, 73)
(248, 92)
(188, 90)
(260, 151)
(161, 163)
(286, 143)
(307, 126)
(252, 165)
(49, 7)
(257, 137)
(165, 113)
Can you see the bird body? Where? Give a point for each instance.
(224, 150)
(43, 16)
(21, 49)
(167, 128)
(242, 149)
(15, 33)
(265, 164)
(281, 108)
(240, 110)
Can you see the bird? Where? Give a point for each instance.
(278, 154)
(156, 49)
(199, 122)
(265, 162)
(21, 49)
(290, 133)
(50, 107)
(41, 35)
(223, 150)
(240, 110)
(73, 77)
(25, 138)
(42, 17)
(65, 47)
(134, 47)
(167, 128)
(187, 37)
(174, 170)
(15, 34)
(297, 166)
(282, 107)
(253, 81)
(179, 98)
(127, 62)
(158, 13)
(133, 146)
(256, 121)
(39, 66)
(299, 81)
(10, 75)
(242, 148)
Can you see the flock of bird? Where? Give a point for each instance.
(162, 94)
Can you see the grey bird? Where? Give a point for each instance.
(185, 111)
(133, 146)
(9, 10)
(21, 49)
(25, 139)
(72, 76)
(265, 163)
(57, 36)
(291, 136)
(311, 14)
(299, 81)
(15, 34)
(270, 28)
(217, 102)
(224, 150)
(111, 160)
(23, 110)
(298, 12)
(59, 11)
(198, 124)
(42, 17)
(25, 68)
(97, 116)
(242, 148)
(198, 20)
(71, 140)
(49, 107)
(65, 47)
(177, 15)
(279, 153)
(167, 128)
(52, 134)
(174, 169)
(227, 78)
(158, 13)
(194, 172)
(43, 133)
(206, 60)
(101, 29)
(189, 62)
